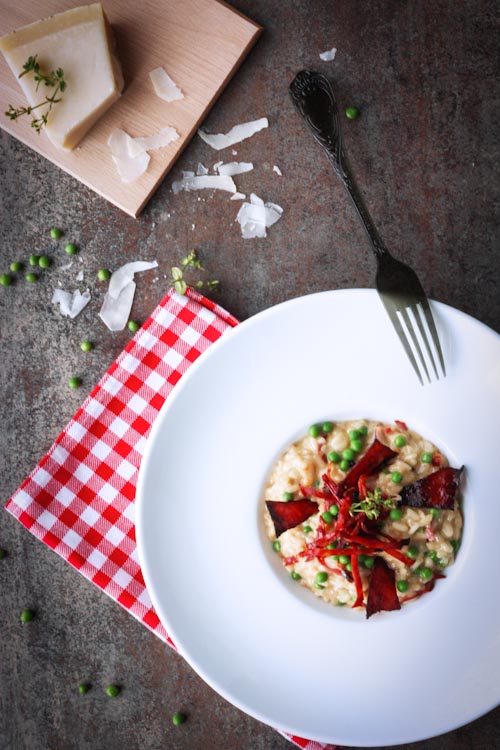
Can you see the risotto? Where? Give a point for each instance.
(364, 514)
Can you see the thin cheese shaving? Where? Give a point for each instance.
(70, 303)
(329, 54)
(238, 133)
(164, 87)
(153, 142)
(201, 182)
(235, 167)
(255, 217)
(118, 300)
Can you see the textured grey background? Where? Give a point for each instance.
(426, 154)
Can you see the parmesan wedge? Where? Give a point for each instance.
(79, 41)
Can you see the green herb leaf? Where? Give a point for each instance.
(372, 504)
(55, 80)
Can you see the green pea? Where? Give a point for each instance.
(334, 457)
(425, 574)
(361, 559)
(327, 427)
(56, 233)
(363, 430)
(103, 274)
(306, 529)
(296, 576)
(71, 248)
(334, 510)
(426, 458)
(345, 465)
(277, 545)
(396, 514)
(369, 562)
(3, 553)
(455, 544)
(335, 557)
(27, 615)
(287, 496)
(318, 586)
(31, 277)
(349, 567)
(352, 113)
(348, 454)
(331, 545)
(16, 266)
(113, 690)
(354, 434)
(396, 477)
(412, 552)
(178, 718)
(344, 559)
(83, 688)
(435, 512)
(74, 382)
(400, 441)
(402, 586)
(357, 445)
(34, 260)
(133, 326)
(314, 430)
(86, 346)
(5, 279)
(327, 516)
(340, 604)
(321, 577)
(44, 261)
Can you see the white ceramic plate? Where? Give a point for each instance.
(260, 640)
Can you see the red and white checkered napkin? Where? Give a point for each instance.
(79, 500)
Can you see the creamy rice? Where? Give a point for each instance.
(431, 537)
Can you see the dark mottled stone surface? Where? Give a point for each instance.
(426, 154)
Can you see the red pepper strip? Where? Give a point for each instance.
(437, 490)
(428, 587)
(372, 542)
(286, 515)
(382, 593)
(331, 486)
(376, 455)
(314, 492)
(401, 424)
(436, 459)
(363, 492)
(357, 581)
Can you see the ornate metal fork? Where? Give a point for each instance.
(397, 284)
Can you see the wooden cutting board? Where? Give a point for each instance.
(200, 43)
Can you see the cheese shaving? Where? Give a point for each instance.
(161, 139)
(164, 86)
(238, 197)
(201, 169)
(329, 54)
(237, 134)
(204, 182)
(235, 167)
(118, 300)
(255, 217)
(278, 171)
(129, 167)
(70, 303)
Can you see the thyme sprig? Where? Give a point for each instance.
(54, 79)
(373, 503)
(178, 273)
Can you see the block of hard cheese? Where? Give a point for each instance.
(79, 41)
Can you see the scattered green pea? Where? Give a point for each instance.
(455, 544)
(133, 326)
(344, 559)
(319, 586)
(331, 545)
(296, 576)
(306, 529)
(178, 718)
(396, 477)
(321, 577)
(396, 514)
(5, 279)
(277, 545)
(334, 457)
(340, 604)
(354, 434)
(70, 248)
(348, 454)
(83, 688)
(16, 266)
(27, 615)
(352, 113)
(113, 690)
(369, 562)
(357, 445)
(327, 426)
(56, 233)
(34, 259)
(402, 586)
(426, 458)
(103, 274)
(361, 559)
(363, 430)
(31, 277)
(3, 553)
(400, 441)
(349, 567)
(334, 510)
(345, 465)
(74, 382)
(314, 430)
(412, 552)
(425, 574)
(287, 496)
(435, 512)
(86, 346)
(327, 516)
(44, 261)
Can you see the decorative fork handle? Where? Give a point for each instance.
(313, 97)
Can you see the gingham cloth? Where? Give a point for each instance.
(79, 500)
